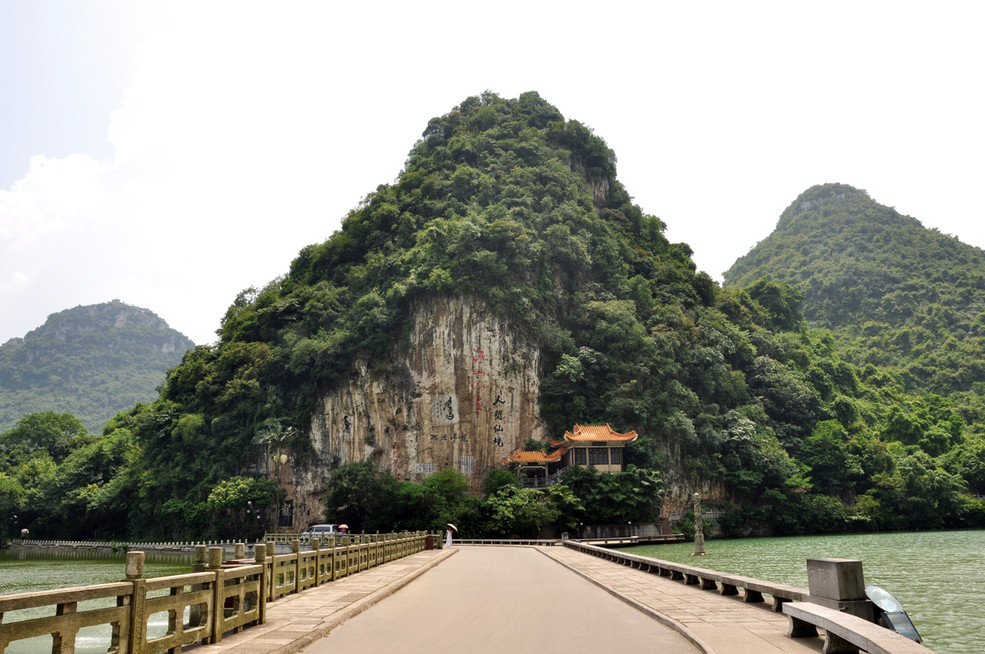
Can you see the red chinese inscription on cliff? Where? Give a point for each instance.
(478, 361)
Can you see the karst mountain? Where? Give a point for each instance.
(505, 288)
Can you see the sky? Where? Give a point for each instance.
(173, 154)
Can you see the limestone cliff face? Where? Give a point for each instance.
(463, 395)
(681, 482)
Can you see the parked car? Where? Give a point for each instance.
(321, 531)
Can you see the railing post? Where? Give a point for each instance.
(316, 548)
(271, 548)
(331, 544)
(198, 565)
(239, 551)
(138, 597)
(296, 550)
(218, 600)
(260, 557)
(199, 558)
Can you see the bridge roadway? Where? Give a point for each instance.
(501, 599)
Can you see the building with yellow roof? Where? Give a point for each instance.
(598, 446)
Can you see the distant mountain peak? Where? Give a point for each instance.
(821, 194)
(114, 314)
(904, 290)
(90, 361)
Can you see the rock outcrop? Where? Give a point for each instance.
(463, 393)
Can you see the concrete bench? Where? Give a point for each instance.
(754, 589)
(724, 583)
(845, 633)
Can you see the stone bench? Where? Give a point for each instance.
(845, 633)
(724, 583)
(729, 584)
(754, 589)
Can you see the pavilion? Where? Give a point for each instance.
(596, 446)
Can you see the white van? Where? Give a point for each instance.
(321, 531)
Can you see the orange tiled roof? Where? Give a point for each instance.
(592, 433)
(519, 456)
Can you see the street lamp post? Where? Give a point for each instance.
(253, 515)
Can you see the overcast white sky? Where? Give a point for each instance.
(172, 154)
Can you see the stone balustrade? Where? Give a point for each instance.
(833, 602)
(723, 582)
(529, 542)
(112, 545)
(214, 599)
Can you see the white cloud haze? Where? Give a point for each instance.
(249, 130)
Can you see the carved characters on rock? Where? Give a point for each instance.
(463, 396)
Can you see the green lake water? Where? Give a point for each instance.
(24, 571)
(938, 577)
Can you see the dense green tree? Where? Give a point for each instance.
(496, 479)
(235, 503)
(10, 503)
(833, 467)
(780, 302)
(54, 433)
(521, 512)
(357, 492)
(67, 499)
(896, 294)
(968, 462)
(617, 498)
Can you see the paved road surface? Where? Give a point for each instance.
(496, 600)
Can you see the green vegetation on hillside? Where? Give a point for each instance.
(90, 361)
(369, 499)
(507, 202)
(906, 299)
(905, 307)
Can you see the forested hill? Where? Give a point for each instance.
(508, 206)
(897, 295)
(90, 361)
